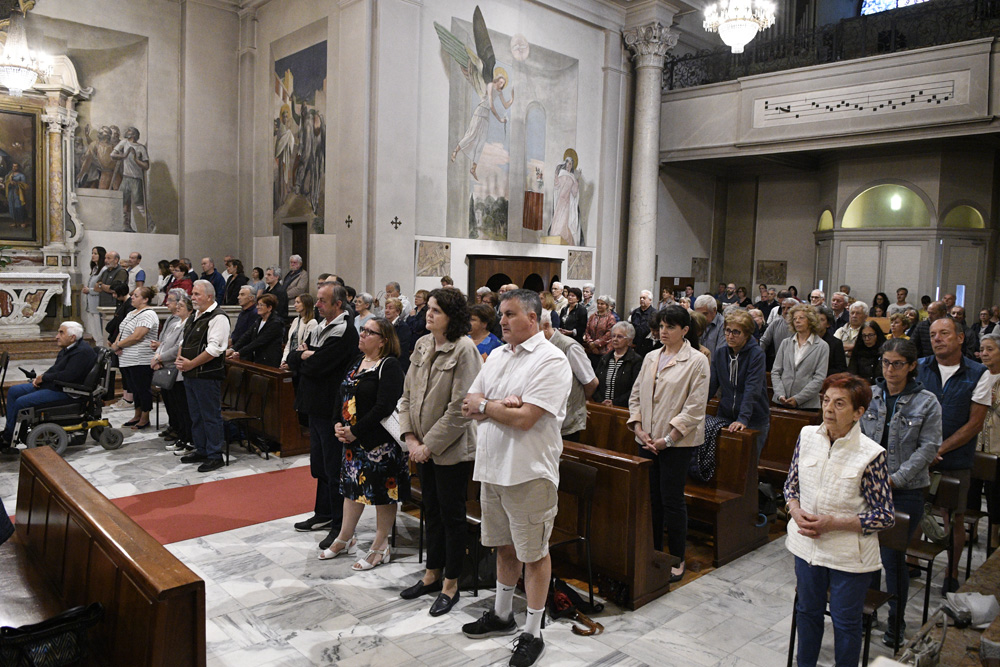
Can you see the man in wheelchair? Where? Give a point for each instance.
(74, 363)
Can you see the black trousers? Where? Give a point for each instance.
(667, 476)
(325, 454)
(140, 383)
(445, 490)
(175, 400)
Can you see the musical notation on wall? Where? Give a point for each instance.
(864, 100)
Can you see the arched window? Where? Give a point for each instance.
(825, 221)
(964, 217)
(886, 206)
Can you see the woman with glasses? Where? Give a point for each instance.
(864, 360)
(667, 414)
(374, 467)
(739, 370)
(802, 361)
(618, 369)
(905, 419)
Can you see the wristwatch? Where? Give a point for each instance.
(482, 406)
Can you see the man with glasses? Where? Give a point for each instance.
(817, 298)
(965, 398)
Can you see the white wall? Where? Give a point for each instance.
(686, 210)
(787, 210)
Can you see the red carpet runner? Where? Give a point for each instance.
(186, 512)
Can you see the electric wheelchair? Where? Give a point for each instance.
(67, 422)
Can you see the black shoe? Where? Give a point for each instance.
(889, 638)
(949, 585)
(313, 523)
(489, 625)
(915, 572)
(527, 650)
(210, 465)
(419, 588)
(327, 541)
(168, 433)
(170, 437)
(443, 604)
(194, 457)
(131, 422)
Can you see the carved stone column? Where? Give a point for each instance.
(649, 44)
(56, 226)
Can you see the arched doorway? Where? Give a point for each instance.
(498, 280)
(534, 282)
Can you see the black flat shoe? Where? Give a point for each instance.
(140, 427)
(674, 578)
(130, 423)
(419, 588)
(443, 604)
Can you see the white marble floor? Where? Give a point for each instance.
(271, 602)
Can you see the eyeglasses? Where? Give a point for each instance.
(368, 332)
(869, 336)
(733, 332)
(895, 365)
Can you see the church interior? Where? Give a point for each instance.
(614, 146)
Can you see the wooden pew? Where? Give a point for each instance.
(281, 422)
(777, 454)
(727, 504)
(88, 550)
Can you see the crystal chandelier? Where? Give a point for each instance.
(20, 67)
(738, 21)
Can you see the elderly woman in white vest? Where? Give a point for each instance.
(838, 499)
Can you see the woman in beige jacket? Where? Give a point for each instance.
(667, 413)
(441, 442)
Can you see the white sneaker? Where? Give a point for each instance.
(122, 404)
(176, 447)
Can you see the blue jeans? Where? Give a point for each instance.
(897, 581)
(847, 601)
(205, 405)
(763, 430)
(27, 396)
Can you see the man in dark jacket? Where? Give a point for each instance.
(922, 334)
(272, 278)
(321, 363)
(640, 319)
(73, 363)
(209, 273)
(838, 358)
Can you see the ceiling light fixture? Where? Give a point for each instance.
(738, 21)
(20, 67)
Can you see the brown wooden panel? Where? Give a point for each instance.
(55, 541)
(135, 616)
(39, 515)
(180, 631)
(533, 206)
(281, 422)
(482, 267)
(102, 578)
(76, 567)
(22, 511)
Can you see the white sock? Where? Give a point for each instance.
(503, 606)
(533, 625)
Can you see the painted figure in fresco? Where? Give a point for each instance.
(566, 210)
(16, 188)
(488, 80)
(310, 161)
(99, 168)
(135, 163)
(284, 154)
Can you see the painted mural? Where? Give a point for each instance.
(512, 114)
(18, 153)
(299, 103)
(566, 201)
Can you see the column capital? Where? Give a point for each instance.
(649, 44)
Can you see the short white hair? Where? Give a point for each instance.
(74, 329)
(207, 286)
(276, 270)
(297, 258)
(483, 290)
(624, 327)
(557, 284)
(706, 301)
(589, 286)
(858, 305)
(842, 295)
(247, 288)
(821, 293)
(646, 292)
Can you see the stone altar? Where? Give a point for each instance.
(24, 296)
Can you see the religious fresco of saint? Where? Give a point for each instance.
(299, 106)
(18, 196)
(512, 116)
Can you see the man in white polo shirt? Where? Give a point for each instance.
(519, 398)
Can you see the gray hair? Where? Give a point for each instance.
(858, 305)
(367, 298)
(483, 290)
(706, 301)
(589, 286)
(607, 299)
(646, 292)
(74, 329)
(276, 270)
(528, 299)
(821, 293)
(297, 258)
(180, 296)
(995, 337)
(253, 293)
(843, 295)
(394, 285)
(626, 328)
(207, 286)
(557, 283)
(827, 312)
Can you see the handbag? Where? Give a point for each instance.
(164, 378)
(60, 640)
(391, 423)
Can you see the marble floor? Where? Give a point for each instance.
(271, 602)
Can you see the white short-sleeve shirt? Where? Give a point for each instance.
(539, 374)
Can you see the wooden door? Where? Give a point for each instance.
(535, 273)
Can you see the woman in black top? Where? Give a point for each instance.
(865, 359)
(574, 316)
(233, 286)
(880, 301)
(417, 320)
(744, 300)
(262, 343)
(618, 369)
(374, 467)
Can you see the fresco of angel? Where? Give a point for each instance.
(488, 80)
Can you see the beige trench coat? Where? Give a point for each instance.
(678, 400)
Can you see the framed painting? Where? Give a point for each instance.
(22, 174)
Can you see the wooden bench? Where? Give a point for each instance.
(777, 453)
(83, 549)
(281, 421)
(727, 504)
